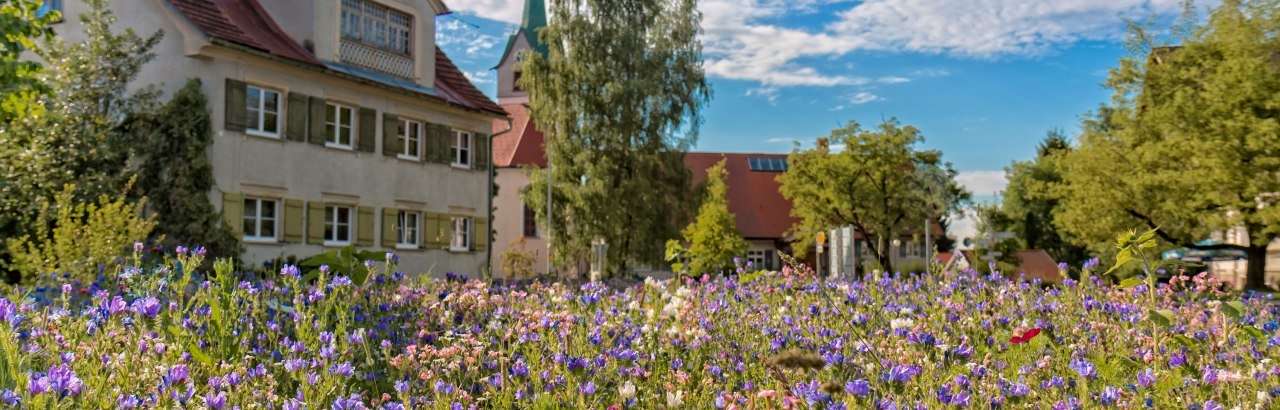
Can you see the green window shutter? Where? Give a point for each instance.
(296, 117)
(482, 151)
(364, 225)
(315, 222)
(390, 135)
(389, 218)
(368, 133)
(235, 100)
(437, 143)
(292, 221)
(436, 234)
(233, 212)
(480, 238)
(315, 121)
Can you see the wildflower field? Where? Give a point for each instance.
(160, 334)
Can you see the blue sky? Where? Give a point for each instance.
(983, 79)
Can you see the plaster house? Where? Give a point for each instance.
(336, 122)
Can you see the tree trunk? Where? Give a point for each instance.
(1256, 270)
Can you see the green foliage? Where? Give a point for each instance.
(618, 95)
(85, 240)
(78, 138)
(174, 172)
(1028, 203)
(880, 184)
(20, 27)
(1188, 140)
(518, 260)
(344, 261)
(713, 236)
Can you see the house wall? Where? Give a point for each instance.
(506, 73)
(278, 168)
(508, 222)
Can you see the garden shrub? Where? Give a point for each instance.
(518, 260)
(80, 239)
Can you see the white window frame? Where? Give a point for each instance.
(382, 32)
(257, 116)
(414, 228)
(757, 258)
(403, 137)
(258, 204)
(334, 139)
(463, 157)
(460, 236)
(332, 222)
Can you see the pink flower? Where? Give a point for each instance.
(766, 394)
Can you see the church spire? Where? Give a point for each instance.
(535, 15)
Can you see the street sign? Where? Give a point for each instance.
(822, 238)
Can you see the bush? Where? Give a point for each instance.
(518, 261)
(85, 239)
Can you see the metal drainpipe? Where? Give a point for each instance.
(488, 257)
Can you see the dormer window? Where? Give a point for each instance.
(377, 37)
(376, 25)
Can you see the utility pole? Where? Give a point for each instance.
(550, 234)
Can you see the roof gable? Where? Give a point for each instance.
(759, 209)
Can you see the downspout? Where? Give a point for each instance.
(488, 257)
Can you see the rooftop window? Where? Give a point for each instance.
(764, 164)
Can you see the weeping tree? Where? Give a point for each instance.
(618, 95)
(1190, 143)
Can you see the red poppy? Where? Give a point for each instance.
(1026, 336)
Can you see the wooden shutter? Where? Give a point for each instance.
(481, 147)
(390, 216)
(368, 131)
(437, 140)
(480, 234)
(391, 134)
(315, 222)
(296, 117)
(364, 225)
(235, 100)
(315, 121)
(436, 234)
(233, 212)
(292, 221)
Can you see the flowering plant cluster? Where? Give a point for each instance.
(159, 334)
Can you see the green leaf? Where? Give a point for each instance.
(198, 354)
(1122, 258)
(1161, 317)
(1233, 309)
(1130, 283)
(1186, 341)
(1252, 332)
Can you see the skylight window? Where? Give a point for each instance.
(762, 164)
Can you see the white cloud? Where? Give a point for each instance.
(452, 32)
(508, 11)
(780, 140)
(836, 108)
(893, 80)
(863, 97)
(768, 92)
(983, 183)
(931, 72)
(479, 77)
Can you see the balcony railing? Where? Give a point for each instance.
(375, 59)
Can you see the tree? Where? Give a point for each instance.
(879, 184)
(618, 95)
(1189, 142)
(77, 139)
(174, 172)
(1028, 204)
(713, 237)
(21, 26)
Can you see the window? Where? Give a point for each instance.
(407, 229)
(515, 81)
(761, 164)
(461, 234)
(49, 6)
(461, 149)
(264, 111)
(410, 139)
(530, 223)
(259, 219)
(377, 25)
(337, 225)
(757, 258)
(338, 125)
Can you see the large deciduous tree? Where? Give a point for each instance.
(618, 95)
(22, 25)
(880, 184)
(1191, 141)
(1028, 204)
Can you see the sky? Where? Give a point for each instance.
(983, 80)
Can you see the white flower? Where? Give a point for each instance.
(904, 311)
(627, 391)
(898, 324)
(675, 399)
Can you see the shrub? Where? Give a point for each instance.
(84, 238)
(518, 261)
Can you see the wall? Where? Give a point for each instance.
(506, 72)
(508, 221)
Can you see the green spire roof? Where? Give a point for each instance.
(535, 18)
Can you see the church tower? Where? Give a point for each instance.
(526, 38)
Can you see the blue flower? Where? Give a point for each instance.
(858, 388)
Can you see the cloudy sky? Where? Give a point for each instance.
(983, 79)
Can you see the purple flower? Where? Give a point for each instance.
(10, 398)
(148, 306)
(1109, 395)
(128, 402)
(344, 369)
(341, 281)
(1146, 378)
(1213, 405)
(9, 312)
(216, 402)
(903, 373)
(60, 380)
(588, 389)
(177, 375)
(115, 306)
(349, 403)
(402, 386)
(1084, 368)
(858, 388)
(293, 272)
(138, 247)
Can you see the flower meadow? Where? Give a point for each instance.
(159, 333)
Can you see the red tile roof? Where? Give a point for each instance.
(1037, 264)
(245, 23)
(754, 199)
(523, 144)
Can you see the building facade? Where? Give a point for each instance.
(335, 122)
